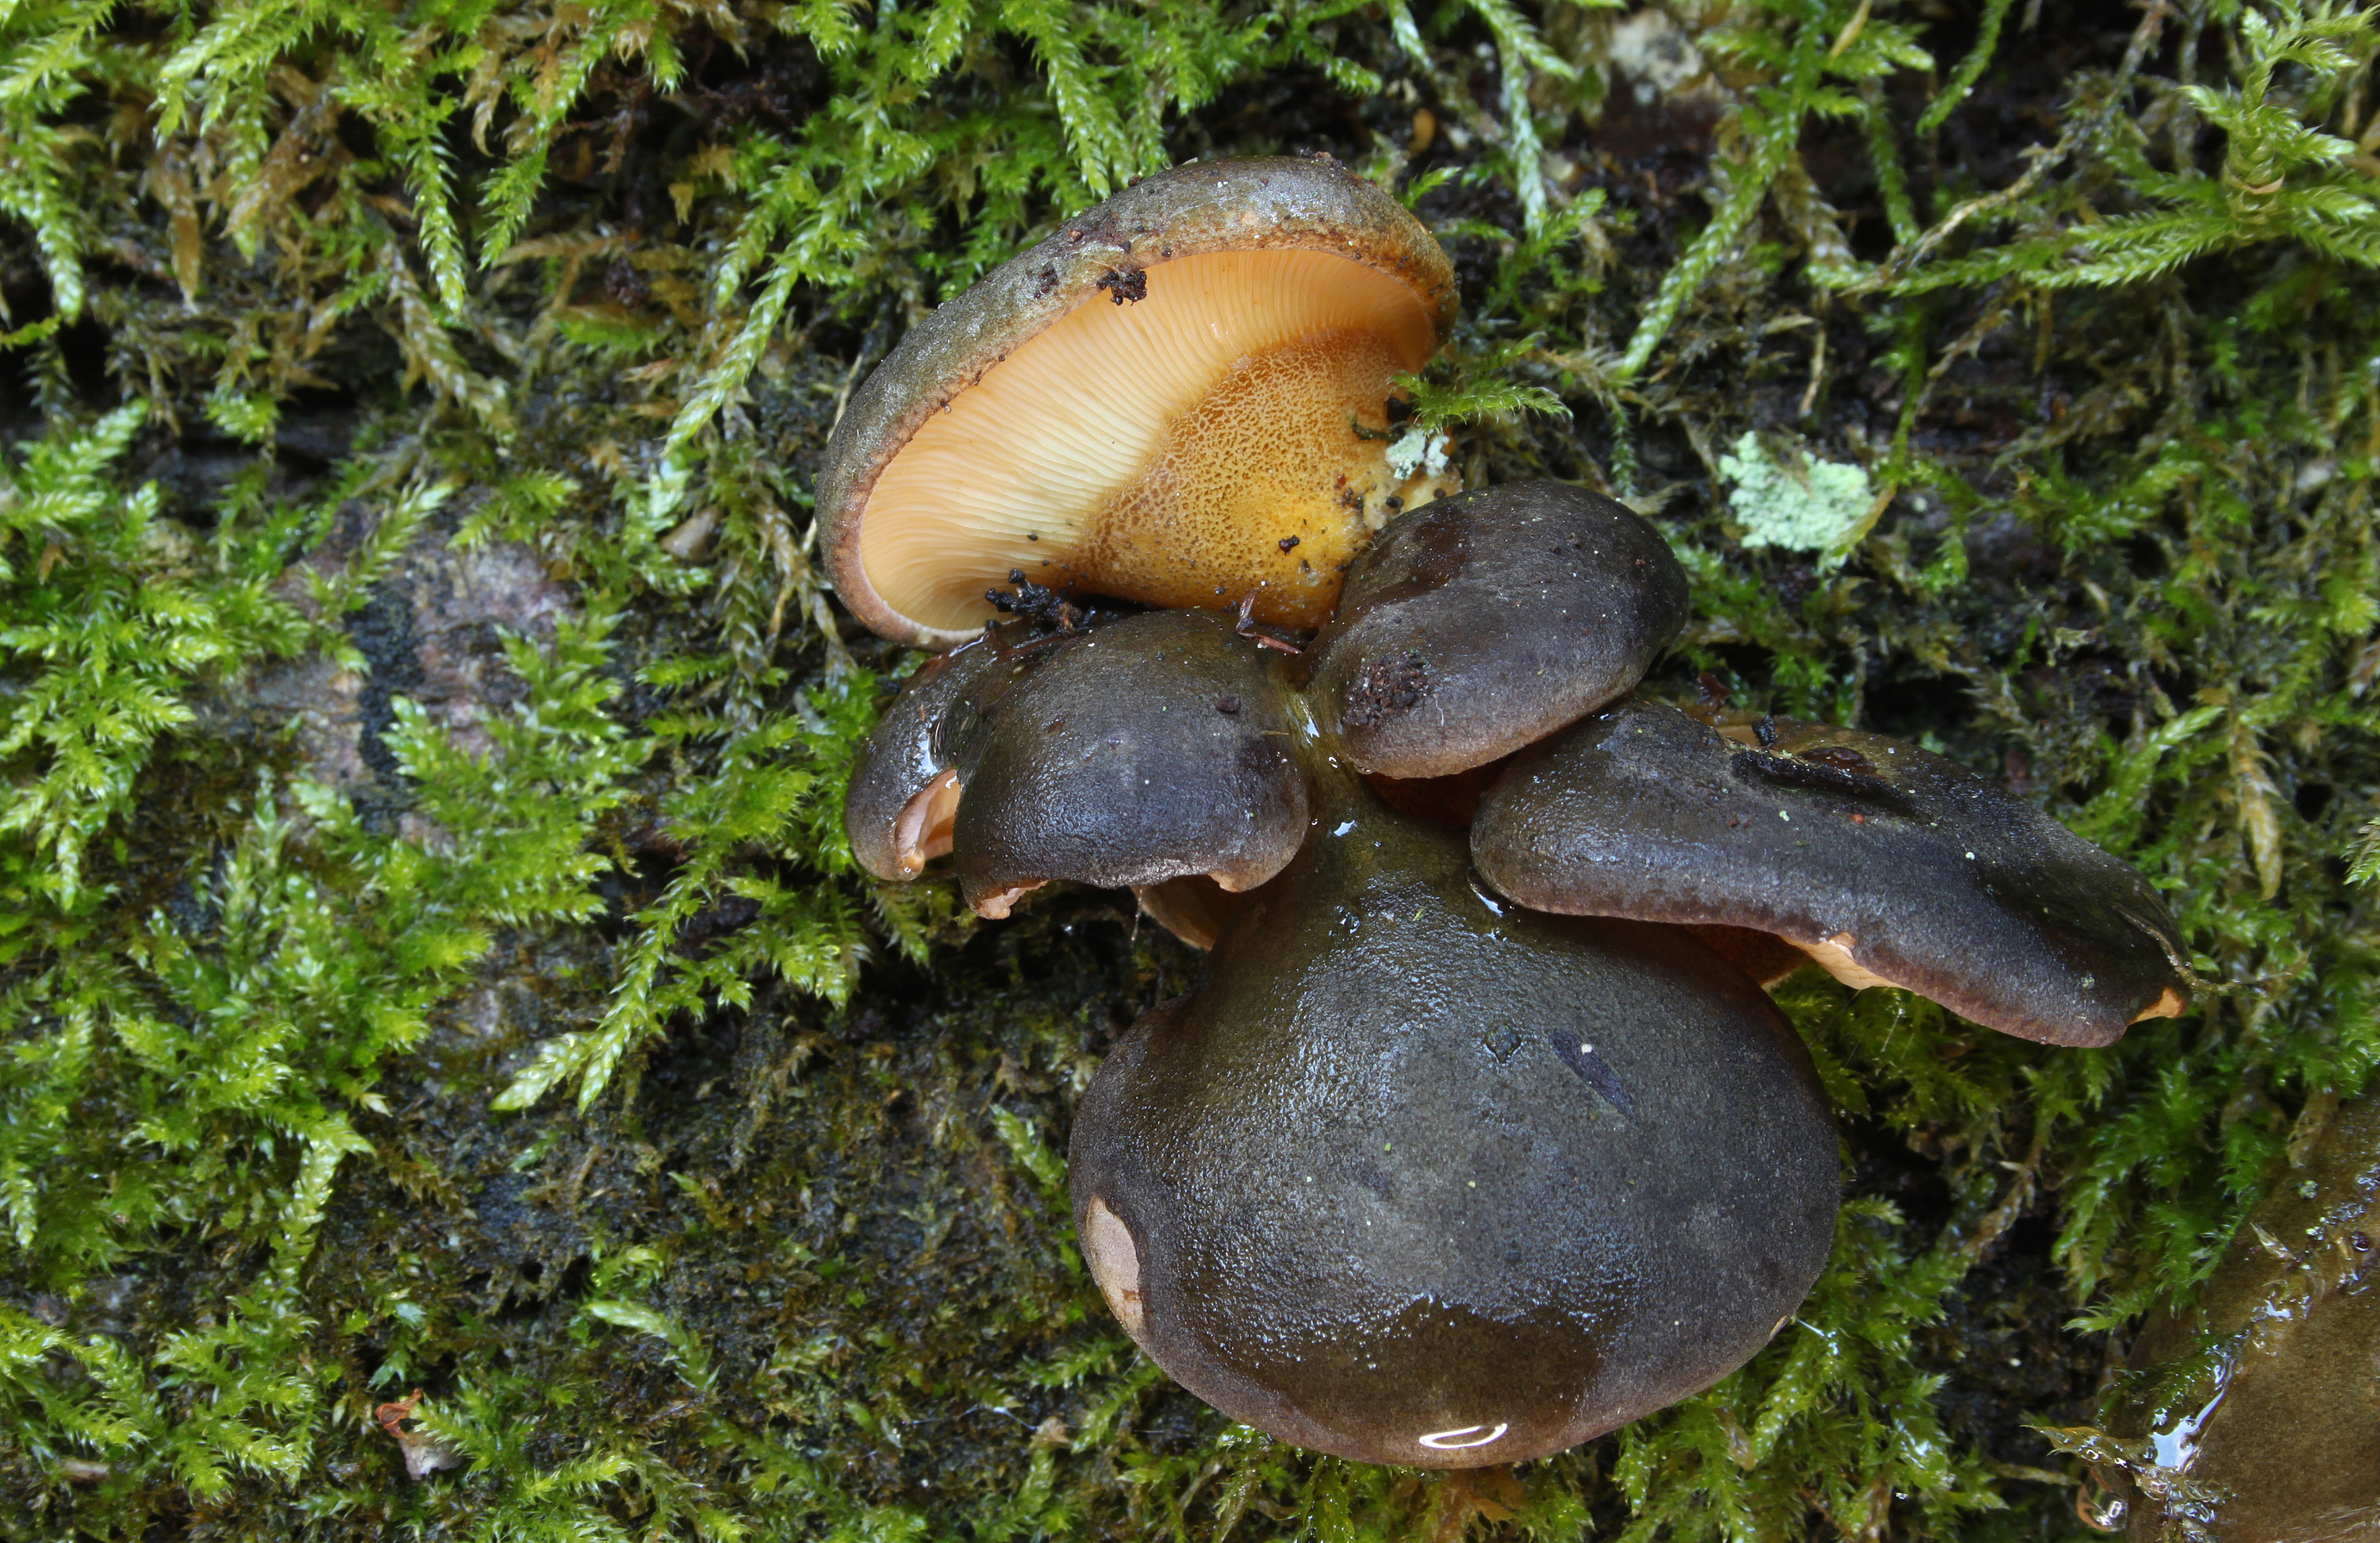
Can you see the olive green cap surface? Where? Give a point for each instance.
(1140, 752)
(911, 745)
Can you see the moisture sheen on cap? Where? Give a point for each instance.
(1889, 865)
(1150, 748)
(1490, 619)
(903, 789)
(1418, 1177)
(1179, 397)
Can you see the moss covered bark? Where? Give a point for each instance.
(428, 955)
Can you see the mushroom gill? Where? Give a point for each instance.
(1165, 450)
(1180, 399)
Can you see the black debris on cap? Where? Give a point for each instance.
(1888, 864)
(1481, 621)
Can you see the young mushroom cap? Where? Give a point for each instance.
(1416, 1178)
(1179, 397)
(1888, 864)
(1141, 751)
(1487, 620)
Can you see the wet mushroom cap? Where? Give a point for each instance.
(1889, 865)
(905, 788)
(1179, 397)
(1410, 1181)
(1150, 748)
(1487, 620)
(2260, 1382)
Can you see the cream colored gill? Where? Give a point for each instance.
(1020, 470)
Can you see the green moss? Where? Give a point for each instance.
(495, 1011)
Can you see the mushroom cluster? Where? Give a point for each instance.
(1479, 1135)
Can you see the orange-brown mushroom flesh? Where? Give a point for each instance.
(1222, 434)
(1181, 398)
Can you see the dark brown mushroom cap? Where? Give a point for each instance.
(1890, 865)
(1148, 748)
(1336, 233)
(1482, 622)
(908, 751)
(1410, 1180)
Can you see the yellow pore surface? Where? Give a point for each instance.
(1162, 450)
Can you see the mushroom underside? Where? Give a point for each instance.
(1181, 398)
(1165, 450)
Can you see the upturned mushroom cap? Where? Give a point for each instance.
(1888, 864)
(1410, 1179)
(1179, 397)
(1487, 620)
(1144, 750)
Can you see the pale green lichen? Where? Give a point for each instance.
(1802, 505)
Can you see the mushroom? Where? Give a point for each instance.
(1181, 397)
(902, 802)
(1146, 749)
(1437, 1163)
(1888, 864)
(1489, 621)
(2251, 1411)
(1152, 750)
(1417, 1176)
(1445, 1163)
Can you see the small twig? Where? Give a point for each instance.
(1260, 636)
(2000, 1218)
(1817, 373)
